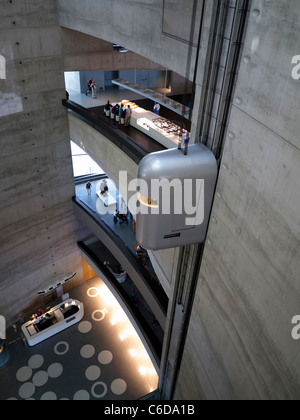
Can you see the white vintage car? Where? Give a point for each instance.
(54, 321)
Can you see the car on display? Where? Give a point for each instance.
(53, 322)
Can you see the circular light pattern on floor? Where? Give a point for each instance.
(98, 394)
(93, 292)
(84, 327)
(93, 373)
(36, 361)
(98, 315)
(105, 357)
(32, 377)
(81, 395)
(27, 390)
(55, 370)
(118, 386)
(49, 396)
(24, 374)
(87, 351)
(61, 348)
(40, 378)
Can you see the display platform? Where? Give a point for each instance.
(107, 199)
(162, 130)
(54, 321)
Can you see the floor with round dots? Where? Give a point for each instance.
(88, 361)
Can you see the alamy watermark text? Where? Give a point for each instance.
(2, 328)
(296, 69)
(161, 197)
(296, 329)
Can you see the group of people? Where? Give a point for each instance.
(103, 187)
(92, 87)
(119, 113)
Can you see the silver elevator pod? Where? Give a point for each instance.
(175, 197)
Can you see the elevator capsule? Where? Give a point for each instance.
(175, 195)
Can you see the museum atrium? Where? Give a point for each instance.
(149, 211)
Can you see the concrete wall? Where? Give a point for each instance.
(86, 52)
(239, 344)
(38, 231)
(156, 29)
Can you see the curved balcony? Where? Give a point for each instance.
(128, 139)
(149, 293)
(147, 305)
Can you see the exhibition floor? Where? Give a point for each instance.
(124, 231)
(99, 358)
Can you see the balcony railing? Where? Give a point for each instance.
(131, 141)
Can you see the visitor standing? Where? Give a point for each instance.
(89, 188)
(120, 113)
(107, 109)
(94, 90)
(128, 116)
(113, 112)
(89, 85)
(123, 116)
(156, 108)
(117, 113)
